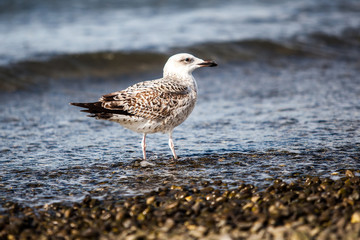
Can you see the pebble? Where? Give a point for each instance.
(355, 218)
(311, 208)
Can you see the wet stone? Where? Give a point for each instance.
(349, 173)
(310, 208)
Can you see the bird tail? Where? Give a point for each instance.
(97, 110)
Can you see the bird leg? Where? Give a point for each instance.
(143, 146)
(171, 145)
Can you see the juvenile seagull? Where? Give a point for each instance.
(153, 106)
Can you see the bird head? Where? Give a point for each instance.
(183, 64)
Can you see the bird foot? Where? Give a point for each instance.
(175, 159)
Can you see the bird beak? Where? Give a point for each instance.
(208, 63)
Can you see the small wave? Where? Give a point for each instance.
(316, 44)
(109, 64)
(246, 50)
(102, 64)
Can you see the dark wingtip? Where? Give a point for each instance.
(96, 110)
(75, 104)
(83, 105)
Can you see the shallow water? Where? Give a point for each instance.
(283, 103)
(254, 121)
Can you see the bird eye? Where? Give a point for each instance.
(187, 60)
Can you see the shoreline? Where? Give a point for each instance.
(307, 208)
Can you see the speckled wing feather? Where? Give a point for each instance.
(151, 99)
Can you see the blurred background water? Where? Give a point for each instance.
(283, 102)
(42, 28)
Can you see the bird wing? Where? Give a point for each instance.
(147, 100)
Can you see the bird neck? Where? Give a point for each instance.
(185, 79)
(181, 77)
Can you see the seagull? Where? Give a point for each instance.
(153, 106)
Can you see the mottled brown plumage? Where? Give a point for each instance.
(153, 100)
(153, 106)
